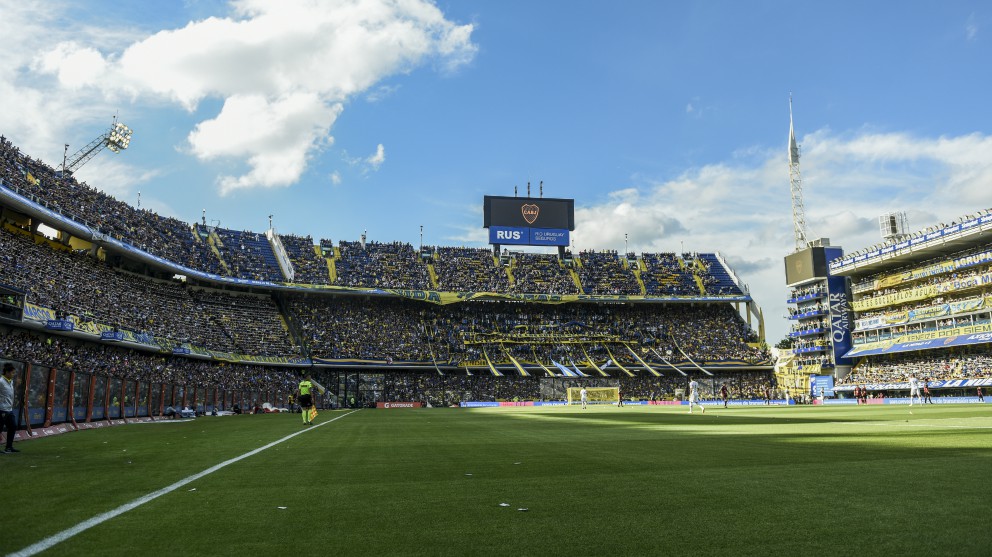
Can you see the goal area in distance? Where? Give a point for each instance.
(594, 395)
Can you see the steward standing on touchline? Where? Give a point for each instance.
(7, 406)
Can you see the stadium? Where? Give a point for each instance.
(377, 322)
(126, 320)
(516, 396)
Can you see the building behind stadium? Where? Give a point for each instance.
(916, 305)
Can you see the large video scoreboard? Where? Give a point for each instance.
(528, 221)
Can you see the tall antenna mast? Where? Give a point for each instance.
(796, 185)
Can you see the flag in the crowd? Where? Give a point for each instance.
(564, 370)
(575, 368)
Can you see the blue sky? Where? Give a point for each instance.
(666, 121)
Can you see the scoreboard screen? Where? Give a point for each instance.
(528, 212)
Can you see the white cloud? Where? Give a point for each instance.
(282, 69)
(336, 178)
(743, 209)
(32, 64)
(375, 161)
(971, 28)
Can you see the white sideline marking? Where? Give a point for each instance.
(942, 426)
(60, 537)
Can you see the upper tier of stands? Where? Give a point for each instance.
(664, 275)
(602, 272)
(71, 283)
(310, 266)
(249, 255)
(715, 277)
(468, 270)
(542, 273)
(345, 328)
(381, 265)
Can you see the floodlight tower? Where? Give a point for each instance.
(796, 185)
(893, 226)
(117, 139)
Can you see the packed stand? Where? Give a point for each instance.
(468, 270)
(251, 321)
(463, 334)
(363, 330)
(450, 390)
(381, 265)
(124, 363)
(664, 276)
(943, 365)
(72, 283)
(604, 273)
(308, 267)
(248, 255)
(165, 237)
(535, 273)
(715, 278)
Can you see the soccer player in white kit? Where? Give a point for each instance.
(694, 396)
(914, 390)
(584, 395)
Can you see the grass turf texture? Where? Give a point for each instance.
(635, 480)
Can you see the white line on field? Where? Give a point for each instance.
(942, 426)
(60, 537)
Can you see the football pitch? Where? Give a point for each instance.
(513, 481)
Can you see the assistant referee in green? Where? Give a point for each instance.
(306, 399)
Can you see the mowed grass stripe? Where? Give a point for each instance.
(67, 534)
(630, 481)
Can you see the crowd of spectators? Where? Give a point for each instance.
(449, 390)
(810, 326)
(252, 321)
(810, 309)
(124, 363)
(165, 237)
(942, 365)
(308, 266)
(817, 289)
(247, 254)
(73, 283)
(541, 273)
(807, 345)
(468, 270)
(664, 276)
(929, 272)
(81, 284)
(381, 265)
(602, 272)
(713, 275)
(346, 328)
(465, 333)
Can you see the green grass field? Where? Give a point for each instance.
(628, 481)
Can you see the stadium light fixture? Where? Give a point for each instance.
(117, 139)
